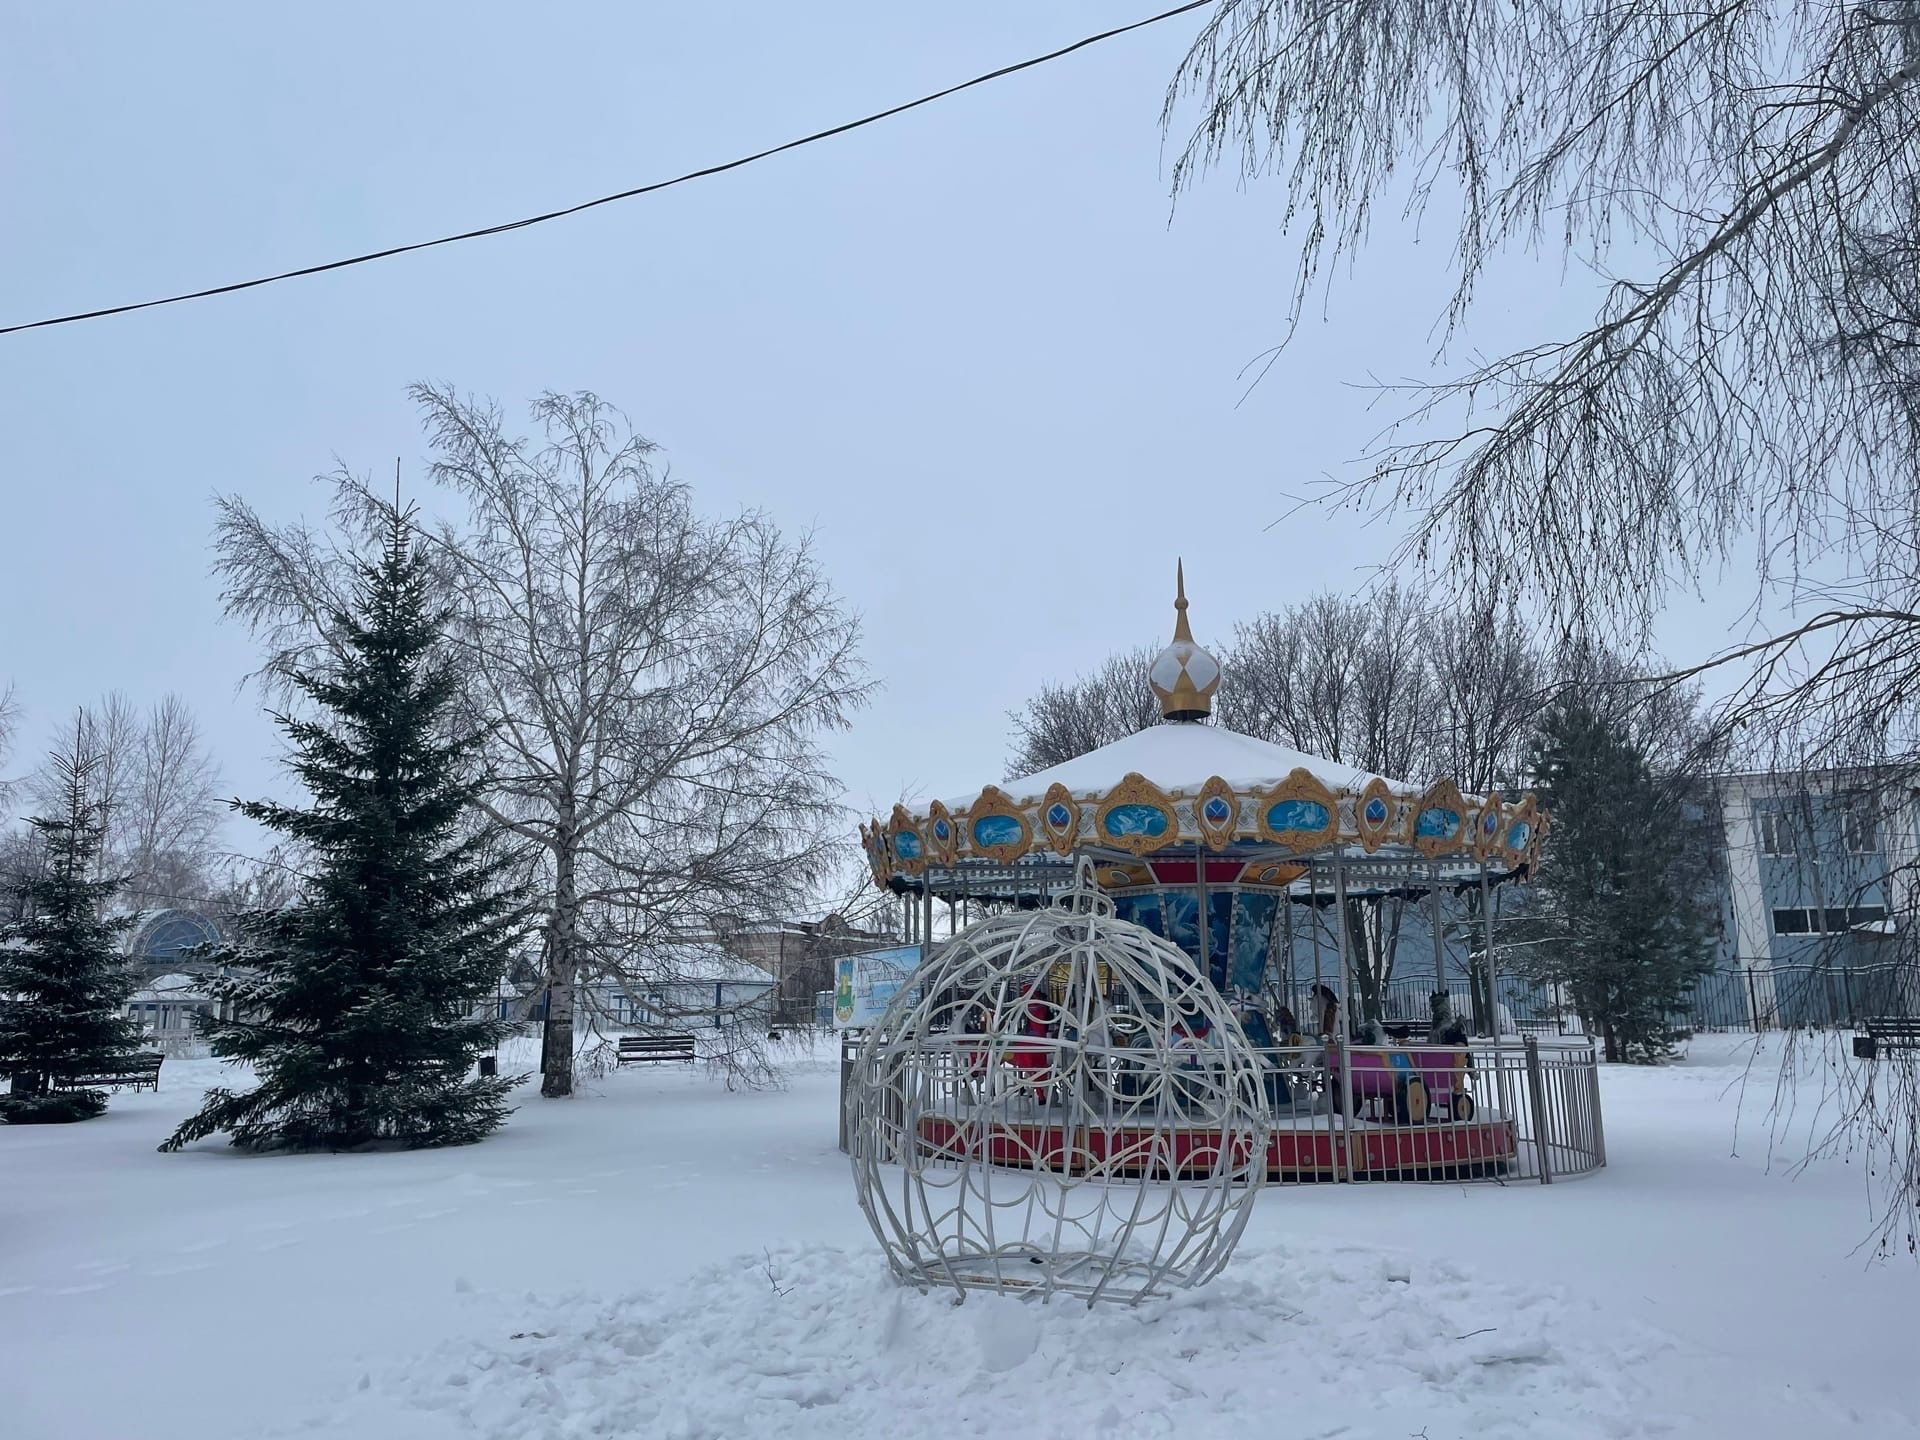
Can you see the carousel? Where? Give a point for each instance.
(1227, 851)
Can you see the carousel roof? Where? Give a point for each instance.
(1178, 755)
(1267, 814)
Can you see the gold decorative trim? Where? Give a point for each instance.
(1443, 795)
(906, 844)
(1526, 812)
(1300, 786)
(1135, 789)
(1489, 843)
(1263, 873)
(1065, 836)
(994, 805)
(877, 860)
(943, 835)
(1217, 833)
(912, 858)
(1371, 832)
(1542, 823)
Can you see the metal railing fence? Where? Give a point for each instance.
(1501, 1111)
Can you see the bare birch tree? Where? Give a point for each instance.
(1347, 680)
(659, 684)
(1746, 396)
(155, 785)
(1752, 395)
(9, 727)
(107, 736)
(172, 809)
(1071, 717)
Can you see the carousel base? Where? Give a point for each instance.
(1442, 1150)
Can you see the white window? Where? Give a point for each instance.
(1776, 832)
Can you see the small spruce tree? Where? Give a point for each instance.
(1624, 884)
(64, 977)
(360, 1006)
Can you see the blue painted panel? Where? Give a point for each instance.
(1219, 936)
(1141, 910)
(1518, 834)
(1182, 913)
(1308, 815)
(1058, 815)
(996, 830)
(1253, 919)
(1149, 820)
(1438, 823)
(906, 845)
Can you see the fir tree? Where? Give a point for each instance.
(1624, 884)
(61, 969)
(360, 1005)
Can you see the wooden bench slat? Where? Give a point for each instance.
(639, 1048)
(1887, 1032)
(142, 1069)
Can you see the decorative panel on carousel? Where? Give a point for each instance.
(1299, 812)
(997, 828)
(1136, 816)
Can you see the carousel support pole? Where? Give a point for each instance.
(1493, 973)
(926, 913)
(1200, 910)
(1439, 935)
(1268, 987)
(1313, 912)
(1493, 991)
(1286, 920)
(1342, 1020)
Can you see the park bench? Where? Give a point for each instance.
(636, 1049)
(1887, 1032)
(141, 1069)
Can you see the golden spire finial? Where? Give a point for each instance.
(1180, 630)
(1183, 675)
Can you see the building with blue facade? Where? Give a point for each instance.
(1820, 898)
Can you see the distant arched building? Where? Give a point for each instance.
(162, 942)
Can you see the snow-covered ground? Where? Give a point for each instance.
(661, 1257)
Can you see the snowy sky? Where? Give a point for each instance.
(976, 349)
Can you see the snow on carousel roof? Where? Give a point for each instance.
(1179, 755)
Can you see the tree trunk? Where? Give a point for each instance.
(556, 1049)
(1481, 1002)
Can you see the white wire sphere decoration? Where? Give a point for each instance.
(1058, 1104)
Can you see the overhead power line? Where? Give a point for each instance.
(521, 224)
